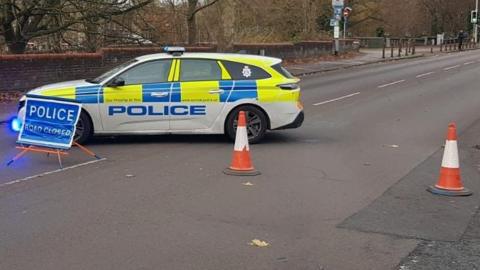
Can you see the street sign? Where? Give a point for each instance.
(338, 3)
(347, 11)
(49, 122)
(337, 11)
(333, 22)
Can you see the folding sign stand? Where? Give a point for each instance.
(48, 151)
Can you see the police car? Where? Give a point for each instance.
(178, 92)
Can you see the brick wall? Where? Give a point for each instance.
(24, 72)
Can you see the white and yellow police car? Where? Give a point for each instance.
(178, 92)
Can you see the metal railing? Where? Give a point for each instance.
(398, 47)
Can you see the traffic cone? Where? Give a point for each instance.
(241, 161)
(449, 182)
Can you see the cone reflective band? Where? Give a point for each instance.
(450, 183)
(241, 161)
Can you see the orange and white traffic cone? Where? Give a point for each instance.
(450, 183)
(241, 161)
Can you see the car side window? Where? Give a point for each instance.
(199, 70)
(240, 71)
(148, 72)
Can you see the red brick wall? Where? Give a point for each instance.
(22, 72)
(25, 72)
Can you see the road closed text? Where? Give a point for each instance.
(51, 131)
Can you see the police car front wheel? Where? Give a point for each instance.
(84, 128)
(257, 123)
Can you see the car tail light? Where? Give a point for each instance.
(288, 86)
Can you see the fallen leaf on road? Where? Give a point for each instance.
(247, 184)
(391, 145)
(259, 243)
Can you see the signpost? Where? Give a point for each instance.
(337, 15)
(49, 127)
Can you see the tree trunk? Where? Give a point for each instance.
(17, 47)
(191, 22)
(91, 37)
(192, 30)
(15, 42)
(226, 29)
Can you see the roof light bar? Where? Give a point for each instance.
(175, 51)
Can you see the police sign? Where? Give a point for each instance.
(49, 122)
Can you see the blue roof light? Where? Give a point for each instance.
(175, 51)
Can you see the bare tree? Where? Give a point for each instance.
(194, 6)
(23, 20)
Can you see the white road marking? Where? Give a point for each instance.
(424, 74)
(50, 172)
(336, 99)
(452, 67)
(468, 63)
(389, 84)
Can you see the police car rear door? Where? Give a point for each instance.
(141, 104)
(200, 97)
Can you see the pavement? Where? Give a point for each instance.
(370, 144)
(365, 57)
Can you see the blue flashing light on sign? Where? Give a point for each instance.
(15, 125)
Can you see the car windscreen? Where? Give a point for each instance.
(112, 71)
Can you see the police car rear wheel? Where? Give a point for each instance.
(84, 129)
(256, 123)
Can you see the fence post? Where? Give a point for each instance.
(391, 48)
(407, 46)
(384, 47)
(399, 47)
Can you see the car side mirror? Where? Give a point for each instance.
(116, 82)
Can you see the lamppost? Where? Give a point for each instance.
(475, 26)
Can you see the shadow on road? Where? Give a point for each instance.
(270, 138)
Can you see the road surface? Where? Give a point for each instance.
(162, 202)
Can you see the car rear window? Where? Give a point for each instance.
(278, 67)
(240, 71)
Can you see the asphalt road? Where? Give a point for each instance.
(162, 202)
